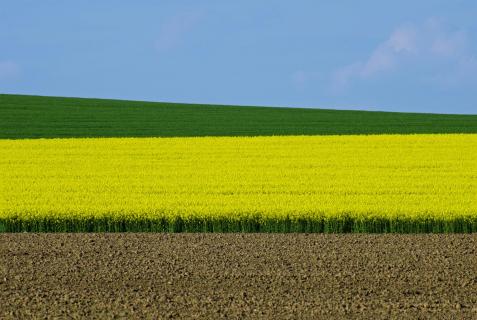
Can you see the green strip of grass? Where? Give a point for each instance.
(54, 117)
(338, 225)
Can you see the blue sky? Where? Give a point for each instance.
(376, 55)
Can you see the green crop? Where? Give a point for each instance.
(52, 117)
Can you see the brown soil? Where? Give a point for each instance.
(276, 276)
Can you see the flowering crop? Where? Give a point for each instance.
(378, 183)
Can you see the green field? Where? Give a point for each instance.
(54, 117)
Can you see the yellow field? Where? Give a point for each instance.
(310, 177)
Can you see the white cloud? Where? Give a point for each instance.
(449, 45)
(173, 30)
(403, 39)
(401, 42)
(407, 45)
(8, 70)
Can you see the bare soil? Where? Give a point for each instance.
(238, 276)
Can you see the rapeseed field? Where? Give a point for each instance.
(365, 183)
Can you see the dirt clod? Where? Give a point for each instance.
(212, 276)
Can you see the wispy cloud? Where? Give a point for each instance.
(385, 57)
(407, 45)
(173, 31)
(9, 70)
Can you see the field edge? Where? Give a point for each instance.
(343, 224)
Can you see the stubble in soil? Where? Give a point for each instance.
(276, 276)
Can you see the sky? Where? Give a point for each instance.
(412, 56)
